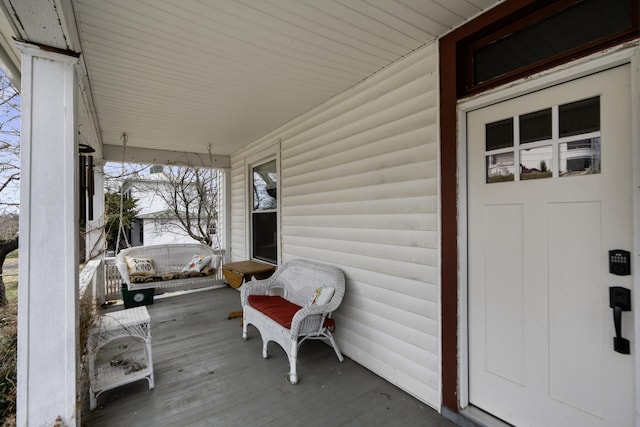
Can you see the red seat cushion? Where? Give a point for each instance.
(276, 307)
(280, 310)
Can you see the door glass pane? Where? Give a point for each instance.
(499, 134)
(580, 117)
(580, 157)
(535, 126)
(535, 163)
(500, 167)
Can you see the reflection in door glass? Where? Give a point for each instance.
(580, 157)
(535, 163)
(500, 167)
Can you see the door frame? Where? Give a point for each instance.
(571, 71)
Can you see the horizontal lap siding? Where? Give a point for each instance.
(359, 189)
(237, 209)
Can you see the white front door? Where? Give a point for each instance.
(549, 194)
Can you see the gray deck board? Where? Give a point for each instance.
(207, 375)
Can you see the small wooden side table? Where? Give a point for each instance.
(237, 273)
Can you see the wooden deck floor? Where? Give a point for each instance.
(206, 375)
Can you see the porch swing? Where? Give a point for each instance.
(172, 266)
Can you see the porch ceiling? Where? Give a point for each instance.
(182, 74)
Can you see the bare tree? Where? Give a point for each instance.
(9, 173)
(191, 196)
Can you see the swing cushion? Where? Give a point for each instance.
(175, 275)
(139, 266)
(196, 264)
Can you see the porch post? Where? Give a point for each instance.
(224, 182)
(48, 273)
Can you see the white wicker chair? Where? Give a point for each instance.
(169, 258)
(297, 279)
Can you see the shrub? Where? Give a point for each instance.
(8, 360)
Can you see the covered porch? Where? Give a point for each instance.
(206, 374)
(340, 96)
(360, 113)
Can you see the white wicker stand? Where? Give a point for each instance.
(133, 323)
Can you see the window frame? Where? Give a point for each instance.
(250, 163)
(523, 18)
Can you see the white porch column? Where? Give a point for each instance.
(48, 272)
(224, 212)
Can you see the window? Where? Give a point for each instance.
(540, 35)
(264, 212)
(539, 151)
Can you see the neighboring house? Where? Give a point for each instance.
(379, 124)
(156, 223)
(157, 228)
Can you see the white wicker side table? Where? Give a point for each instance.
(134, 323)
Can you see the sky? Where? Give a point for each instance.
(9, 134)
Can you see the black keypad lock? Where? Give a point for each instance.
(619, 262)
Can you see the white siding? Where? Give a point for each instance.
(163, 231)
(359, 189)
(238, 212)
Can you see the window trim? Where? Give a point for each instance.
(555, 141)
(520, 19)
(272, 153)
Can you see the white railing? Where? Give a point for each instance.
(91, 291)
(91, 282)
(112, 280)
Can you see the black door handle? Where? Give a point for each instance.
(619, 301)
